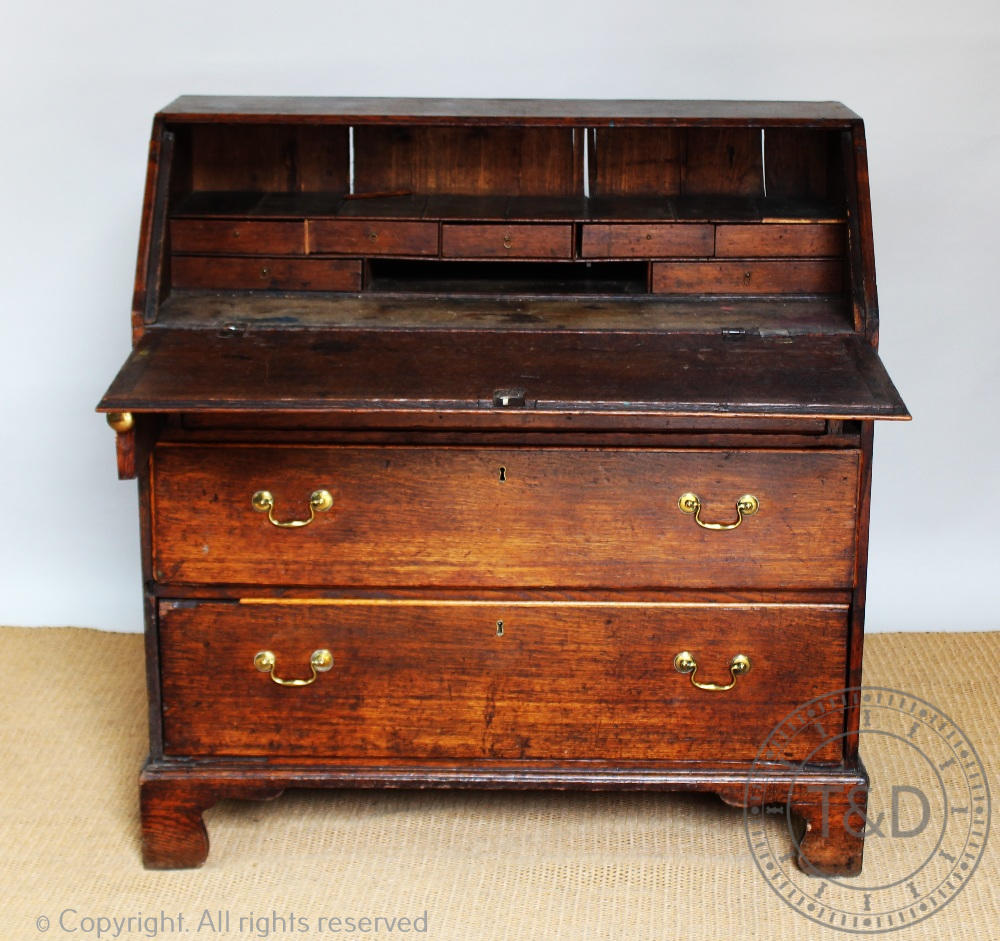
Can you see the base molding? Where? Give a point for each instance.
(174, 794)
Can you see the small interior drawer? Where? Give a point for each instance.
(372, 237)
(653, 240)
(820, 276)
(506, 241)
(492, 679)
(779, 240)
(238, 237)
(265, 273)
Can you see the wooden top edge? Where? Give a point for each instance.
(264, 109)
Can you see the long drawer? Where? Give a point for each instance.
(494, 680)
(516, 517)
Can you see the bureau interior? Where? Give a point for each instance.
(335, 211)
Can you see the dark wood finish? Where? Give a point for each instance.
(500, 111)
(863, 255)
(509, 161)
(153, 205)
(349, 237)
(268, 157)
(238, 238)
(647, 241)
(749, 276)
(133, 447)
(125, 454)
(786, 315)
(153, 267)
(262, 273)
(560, 681)
(416, 372)
(329, 595)
(173, 831)
(696, 428)
(829, 806)
(458, 372)
(432, 529)
(856, 640)
(506, 241)
(722, 162)
(641, 161)
(506, 335)
(800, 161)
(771, 241)
(173, 840)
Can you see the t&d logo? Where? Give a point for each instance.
(925, 816)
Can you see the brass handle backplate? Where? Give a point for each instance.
(319, 502)
(685, 662)
(747, 505)
(319, 662)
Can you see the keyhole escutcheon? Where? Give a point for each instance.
(503, 474)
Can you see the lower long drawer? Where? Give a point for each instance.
(432, 679)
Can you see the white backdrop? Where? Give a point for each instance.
(82, 81)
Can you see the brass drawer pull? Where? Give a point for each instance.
(685, 662)
(747, 505)
(319, 502)
(319, 662)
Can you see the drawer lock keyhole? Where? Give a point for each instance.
(503, 474)
(509, 398)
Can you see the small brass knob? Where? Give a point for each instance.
(121, 422)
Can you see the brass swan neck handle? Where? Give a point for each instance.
(319, 502)
(747, 505)
(685, 662)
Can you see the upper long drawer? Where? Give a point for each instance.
(526, 517)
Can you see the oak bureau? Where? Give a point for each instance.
(501, 444)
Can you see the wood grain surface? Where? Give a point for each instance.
(506, 241)
(777, 240)
(749, 276)
(264, 273)
(647, 241)
(378, 237)
(459, 371)
(504, 517)
(440, 681)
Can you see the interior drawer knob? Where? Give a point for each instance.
(747, 505)
(685, 662)
(319, 502)
(319, 662)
